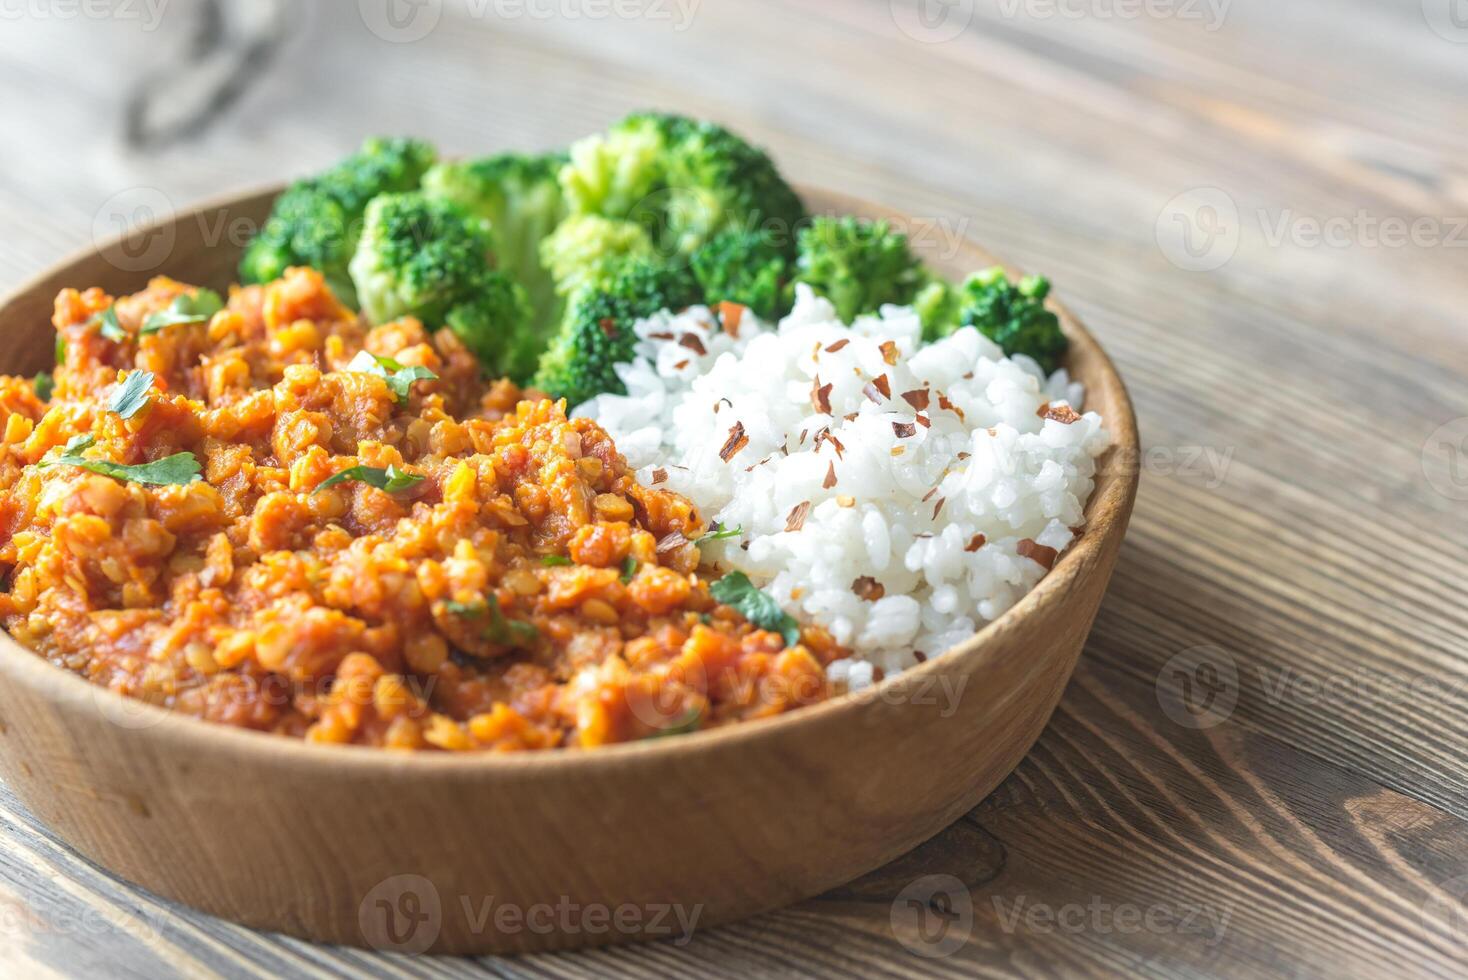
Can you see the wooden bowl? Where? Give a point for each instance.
(418, 852)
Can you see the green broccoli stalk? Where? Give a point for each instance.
(683, 180)
(520, 197)
(745, 267)
(858, 265)
(317, 221)
(597, 333)
(1013, 315)
(425, 257)
(580, 251)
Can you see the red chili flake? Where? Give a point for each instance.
(731, 314)
(1038, 553)
(976, 542)
(737, 440)
(820, 396)
(1063, 414)
(840, 449)
(672, 542)
(889, 351)
(680, 365)
(929, 495)
(691, 341)
(868, 589)
(830, 480)
(659, 476)
(964, 455)
(796, 519)
(660, 335)
(904, 430)
(883, 385)
(939, 506)
(837, 345)
(608, 327)
(802, 437)
(923, 421)
(917, 398)
(919, 656)
(969, 376)
(852, 417)
(948, 406)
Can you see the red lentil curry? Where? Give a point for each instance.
(380, 550)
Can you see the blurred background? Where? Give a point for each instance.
(1261, 210)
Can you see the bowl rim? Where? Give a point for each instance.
(1109, 511)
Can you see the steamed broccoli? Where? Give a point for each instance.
(1013, 315)
(682, 179)
(746, 267)
(520, 197)
(317, 221)
(597, 331)
(585, 245)
(858, 265)
(424, 257)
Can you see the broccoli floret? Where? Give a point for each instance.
(682, 179)
(597, 333)
(586, 245)
(939, 306)
(858, 265)
(746, 267)
(425, 257)
(520, 197)
(1013, 315)
(317, 221)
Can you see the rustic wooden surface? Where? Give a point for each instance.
(1261, 767)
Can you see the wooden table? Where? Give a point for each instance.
(1261, 766)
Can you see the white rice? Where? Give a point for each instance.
(999, 469)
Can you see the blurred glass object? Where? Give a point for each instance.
(230, 44)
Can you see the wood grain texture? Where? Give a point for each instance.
(1327, 811)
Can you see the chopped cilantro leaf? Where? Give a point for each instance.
(390, 480)
(738, 592)
(175, 470)
(185, 308)
(130, 396)
(553, 560)
(629, 569)
(399, 378)
(510, 632)
(717, 532)
(109, 325)
(45, 386)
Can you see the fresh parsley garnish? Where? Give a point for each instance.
(185, 308)
(60, 349)
(629, 569)
(129, 397)
(501, 629)
(399, 378)
(109, 325)
(738, 592)
(175, 470)
(717, 532)
(390, 480)
(553, 560)
(45, 386)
